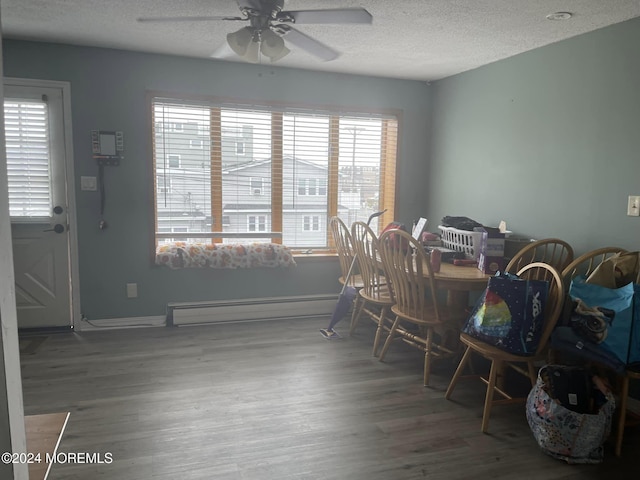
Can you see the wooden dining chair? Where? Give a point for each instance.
(500, 359)
(408, 270)
(346, 253)
(552, 251)
(585, 265)
(375, 297)
(623, 419)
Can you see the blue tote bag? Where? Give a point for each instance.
(510, 314)
(619, 335)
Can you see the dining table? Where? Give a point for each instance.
(459, 281)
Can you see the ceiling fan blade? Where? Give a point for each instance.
(330, 16)
(310, 45)
(185, 19)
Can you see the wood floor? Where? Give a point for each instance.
(43, 435)
(274, 400)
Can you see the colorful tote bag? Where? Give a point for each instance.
(510, 314)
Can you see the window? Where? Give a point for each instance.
(312, 186)
(298, 167)
(163, 184)
(179, 230)
(256, 186)
(311, 223)
(174, 160)
(28, 158)
(196, 143)
(257, 223)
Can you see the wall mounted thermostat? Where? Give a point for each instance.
(107, 147)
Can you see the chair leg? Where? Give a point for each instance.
(533, 376)
(427, 356)
(358, 306)
(553, 356)
(624, 393)
(389, 339)
(458, 372)
(381, 319)
(496, 366)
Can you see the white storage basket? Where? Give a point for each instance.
(462, 241)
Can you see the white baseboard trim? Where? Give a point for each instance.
(243, 310)
(250, 309)
(86, 325)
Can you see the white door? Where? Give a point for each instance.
(38, 204)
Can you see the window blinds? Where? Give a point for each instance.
(260, 173)
(28, 158)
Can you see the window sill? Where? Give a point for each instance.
(314, 257)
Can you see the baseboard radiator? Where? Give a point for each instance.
(250, 309)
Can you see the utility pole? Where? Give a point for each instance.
(354, 131)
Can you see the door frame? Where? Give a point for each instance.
(74, 270)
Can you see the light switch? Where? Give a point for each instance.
(89, 184)
(633, 206)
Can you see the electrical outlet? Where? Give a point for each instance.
(89, 184)
(132, 290)
(633, 206)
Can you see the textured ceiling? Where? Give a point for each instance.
(412, 39)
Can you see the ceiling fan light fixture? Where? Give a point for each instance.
(240, 41)
(272, 46)
(283, 53)
(253, 52)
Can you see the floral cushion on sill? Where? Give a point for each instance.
(223, 255)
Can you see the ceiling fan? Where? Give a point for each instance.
(269, 25)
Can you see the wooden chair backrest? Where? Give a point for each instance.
(365, 243)
(552, 251)
(555, 298)
(587, 263)
(344, 245)
(408, 268)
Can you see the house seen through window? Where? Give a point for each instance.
(270, 174)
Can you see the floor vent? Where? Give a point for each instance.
(250, 309)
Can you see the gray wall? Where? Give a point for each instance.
(548, 141)
(108, 92)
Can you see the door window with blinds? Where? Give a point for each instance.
(28, 159)
(267, 174)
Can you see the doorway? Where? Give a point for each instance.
(41, 202)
